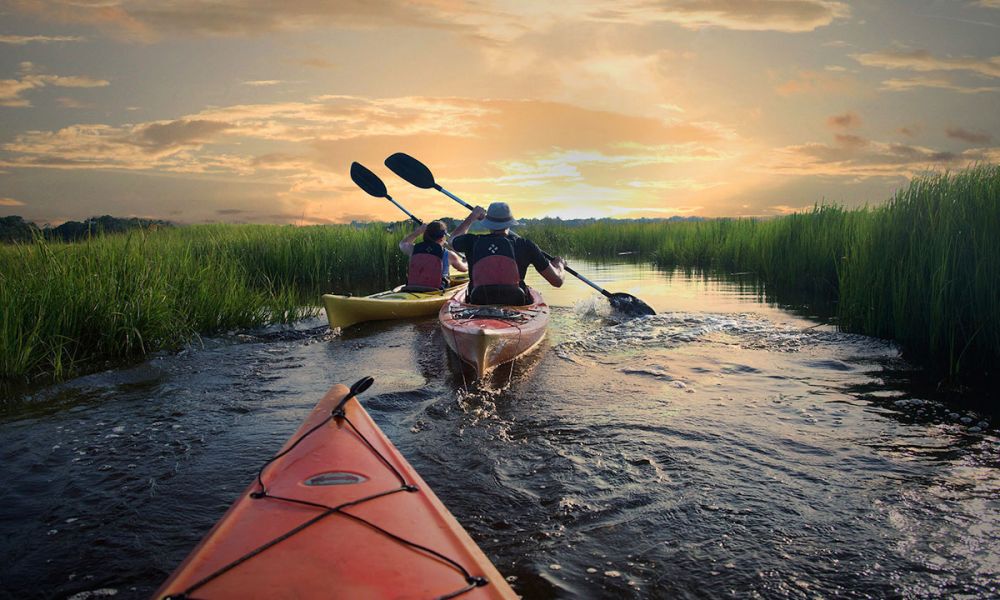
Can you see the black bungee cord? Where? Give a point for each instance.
(472, 581)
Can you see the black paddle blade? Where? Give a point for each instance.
(368, 181)
(361, 385)
(630, 305)
(410, 169)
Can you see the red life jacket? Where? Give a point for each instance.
(493, 262)
(428, 265)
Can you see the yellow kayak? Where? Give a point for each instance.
(344, 311)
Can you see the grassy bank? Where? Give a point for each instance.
(66, 305)
(922, 269)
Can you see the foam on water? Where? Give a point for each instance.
(723, 447)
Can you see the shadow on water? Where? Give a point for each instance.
(726, 446)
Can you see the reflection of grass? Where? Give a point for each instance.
(122, 296)
(923, 269)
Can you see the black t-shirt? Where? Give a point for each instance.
(526, 251)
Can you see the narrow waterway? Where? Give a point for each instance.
(724, 448)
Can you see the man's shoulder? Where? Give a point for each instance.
(525, 243)
(462, 243)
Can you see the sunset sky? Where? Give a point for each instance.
(252, 111)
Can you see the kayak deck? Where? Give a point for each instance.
(487, 336)
(339, 513)
(344, 311)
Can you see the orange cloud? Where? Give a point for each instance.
(11, 90)
(487, 21)
(914, 83)
(21, 40)
(746, 15)
(10, 202)
(305, 146)
(817, 82)
(316, 62)
(922, 60)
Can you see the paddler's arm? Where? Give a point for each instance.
(554, 272)
(477, 214)
(457, 262)
(406, 244)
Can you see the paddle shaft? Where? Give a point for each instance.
(400, 207)
(570, 270)
(546, 254)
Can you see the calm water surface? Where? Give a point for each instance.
(724, 448)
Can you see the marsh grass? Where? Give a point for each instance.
(922, 269)
(69, 306)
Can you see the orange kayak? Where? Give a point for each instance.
(488, 336)
(342, 515)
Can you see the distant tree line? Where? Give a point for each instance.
(452, 223)
(16, 229)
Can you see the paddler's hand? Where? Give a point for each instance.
(478, 213)
(558, 263)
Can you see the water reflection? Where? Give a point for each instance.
(724, 447)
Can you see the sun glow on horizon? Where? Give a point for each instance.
(194, 114)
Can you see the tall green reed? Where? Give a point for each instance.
(66, 306)
(923, 269)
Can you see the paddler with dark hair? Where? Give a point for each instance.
(499, 260)
(429, 259)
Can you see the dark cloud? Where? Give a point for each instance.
(973, 137)
(874, 159)
(316, 62)
(151, 20)
(157, 137)
(850, 141)
(305, 219)
(848, 120)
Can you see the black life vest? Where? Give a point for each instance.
(428, 266)
(495, 276)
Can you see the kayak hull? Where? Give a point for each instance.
(344, 311)
(485, 337)
(337, 554)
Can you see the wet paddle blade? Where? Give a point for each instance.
(410, 169)
(630, 305)
(368, 181)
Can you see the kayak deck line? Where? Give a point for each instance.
(297, 482)
(487, 336)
